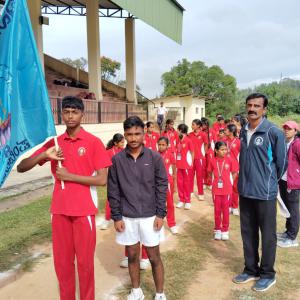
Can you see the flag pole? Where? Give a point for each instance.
(59, 162)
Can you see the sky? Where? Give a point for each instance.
(253, 40)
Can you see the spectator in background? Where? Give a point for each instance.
(289, 186)
(262, 164)
(161, 115)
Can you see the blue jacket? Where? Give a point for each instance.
(263, 162)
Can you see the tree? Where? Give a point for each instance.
(109, 68)
(284, 96)
(80, 63)
(122, 83)
(210, 82)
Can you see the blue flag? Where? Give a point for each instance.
(25, 114)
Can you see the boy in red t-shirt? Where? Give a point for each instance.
(221, 167)
(84, 162)
(184, 165)
(151, 137)
(199, 139)
(169, 162)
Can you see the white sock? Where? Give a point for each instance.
(137, 291)
(160, 294)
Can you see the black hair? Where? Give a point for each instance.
(163, 138)
(232, 128)
(72, 102)
(220, 118)
(227, 121)
(117, 138)
(148, 124)
(258, 95)
(169, 121)
(183, 128)
(133, 121)
(197, 122)
(205, 121)
(242, 120)
(218, 145)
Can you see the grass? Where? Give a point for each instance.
(194, 248)
(23, 227)
(185, 261)
(280, 120)
(288, 276)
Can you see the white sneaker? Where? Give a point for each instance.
(218, 235)
(179, 204)
(230, 210)
(225, 236)
(160, 297)
(144, 263)
(200, 197)
(287, 243)
(136, 294)
(124, 262)
(235, 212)
(105, 224)
(174, 229)
(187, 206)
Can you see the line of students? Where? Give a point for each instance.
(189, 155)
(135, 173)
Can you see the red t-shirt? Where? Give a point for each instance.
(173, 138)
(234, 146)
(169, 161)
(225, 167)
(217, 126)
(83, 155)
(199, 140)
(113, 151)
(184, 158)
(150, 141)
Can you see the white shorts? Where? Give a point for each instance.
(140, 230)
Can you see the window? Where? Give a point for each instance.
(197, 110)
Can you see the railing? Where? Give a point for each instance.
(96, 112)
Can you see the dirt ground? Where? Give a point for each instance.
(41, 283)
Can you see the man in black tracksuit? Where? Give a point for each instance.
(262, 163)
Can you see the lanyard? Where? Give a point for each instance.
(229, 146)
(220, 171)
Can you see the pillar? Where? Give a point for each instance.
(93, 41)
(34, 7)
(130, 60)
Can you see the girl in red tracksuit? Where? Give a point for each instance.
(114, 146)
(221, 167)
(184, 165)
(169, 162)
(200, 141)
(233, 146)
(172, 136)
(151, 137)
(211, 138)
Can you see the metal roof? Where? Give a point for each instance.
(106, 4)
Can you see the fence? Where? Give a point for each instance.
(96, 112)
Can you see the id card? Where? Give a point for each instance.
(179, 156)
(220, 184)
